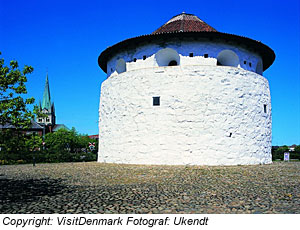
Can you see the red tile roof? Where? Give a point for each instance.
(94, 136)
(185, 23)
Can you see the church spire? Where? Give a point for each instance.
(47, 108)
(46, 103)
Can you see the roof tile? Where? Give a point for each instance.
(184, 23)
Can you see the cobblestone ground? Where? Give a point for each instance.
(110, 188)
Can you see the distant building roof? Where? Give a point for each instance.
(59, 126)
(94, 136)
(34, 125)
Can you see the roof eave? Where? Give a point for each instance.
(263, 50)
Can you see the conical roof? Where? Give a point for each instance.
(184, 23)
(46, 102)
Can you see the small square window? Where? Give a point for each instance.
(205, 55)
(47, 119)
(250, 64)
(144, 57)
(156, 101)
(245, 62)
(265, 108)
(134, 59)
(40, 119)
(191, 54)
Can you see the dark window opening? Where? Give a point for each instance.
(205, 55)
(218, 63)
(172, 63)
(40, 120)
(250, 64)
(191, 54)
(47, 119)
(265, 108)
(144, 57)
(134, 59)
(245, 62)
(156, 101)
(230, 134)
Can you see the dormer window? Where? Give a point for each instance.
(205, 55)
(191, 54)
(227, 58)
(134, 59)
(167, 57)
(144, 57)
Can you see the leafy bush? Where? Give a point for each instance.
(61, 146)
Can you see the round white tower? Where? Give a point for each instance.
(185, 94)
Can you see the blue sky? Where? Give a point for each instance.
(66, 38)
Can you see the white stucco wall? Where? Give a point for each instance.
(199, 107)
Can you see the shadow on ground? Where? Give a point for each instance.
(23, 191)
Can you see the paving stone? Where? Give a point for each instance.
(110, 188)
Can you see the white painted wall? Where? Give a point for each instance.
(183, 48)
(200, 107)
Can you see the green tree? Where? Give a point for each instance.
(297, 149)
(33, 142)
(57, 146)
(296, 153)
(278, 153)
(14, 111)
(12, 146)
(65, 145)
(13, 107)
(19, 146)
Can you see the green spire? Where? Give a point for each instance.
(46, 103)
